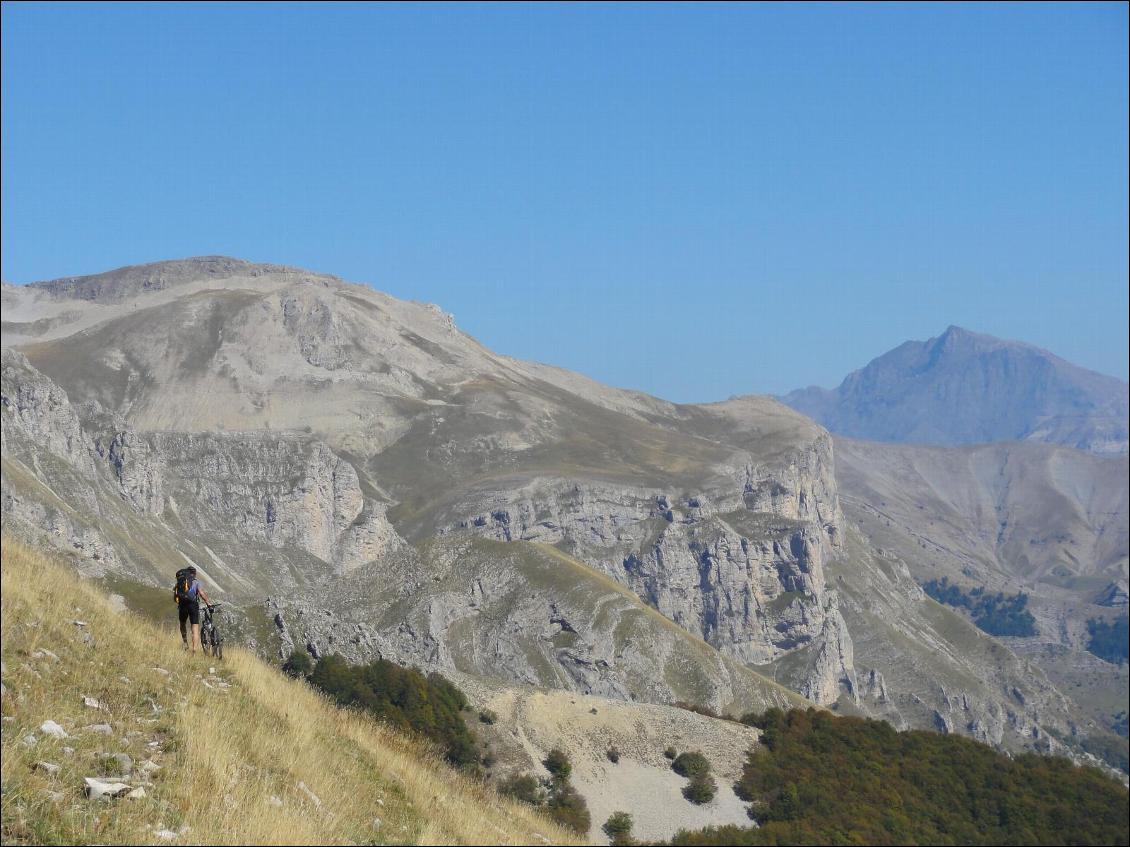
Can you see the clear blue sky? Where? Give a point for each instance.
(696, 201)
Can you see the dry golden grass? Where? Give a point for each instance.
(247, 756)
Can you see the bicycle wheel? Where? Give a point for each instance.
(218, 648)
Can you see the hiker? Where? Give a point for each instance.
(188, 592)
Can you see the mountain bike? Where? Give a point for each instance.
(211, 640)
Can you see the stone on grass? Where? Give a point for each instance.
(137, 794)
(100, 728)
(97, 789)
(48, 768)
(313, 797)
(53, 729)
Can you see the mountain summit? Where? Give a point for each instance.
(963, 387)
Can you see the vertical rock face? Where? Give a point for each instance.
(803, 487)
(38, 411)
(740, 564)
(279, 489)
(285, 491)
(834, 667)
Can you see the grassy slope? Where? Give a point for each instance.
(224, 752)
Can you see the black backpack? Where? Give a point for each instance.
(183, 583)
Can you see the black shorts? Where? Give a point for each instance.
(189, 609)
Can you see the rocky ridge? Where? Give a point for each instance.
(393, 486)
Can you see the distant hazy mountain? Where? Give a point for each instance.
(967, 388)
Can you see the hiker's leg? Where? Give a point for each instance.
(192, 612)
(183, 627)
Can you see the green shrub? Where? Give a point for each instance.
(1109, 641)
(488, 717)
(670, 752)
(522, 787)
(569, 808)
(558, 765)
(299, 664)
(405, 699)
(618, 828)
(690, 764)
(613, 755)
(701, 789)
(828, 779)
(996, 614)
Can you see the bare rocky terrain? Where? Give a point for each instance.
(355, 475)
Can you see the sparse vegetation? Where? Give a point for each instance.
(556, 795)
(488, 717)
(828, 779)
(613, 755)
(996, 614)
(1110, 641)
(670, 752)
